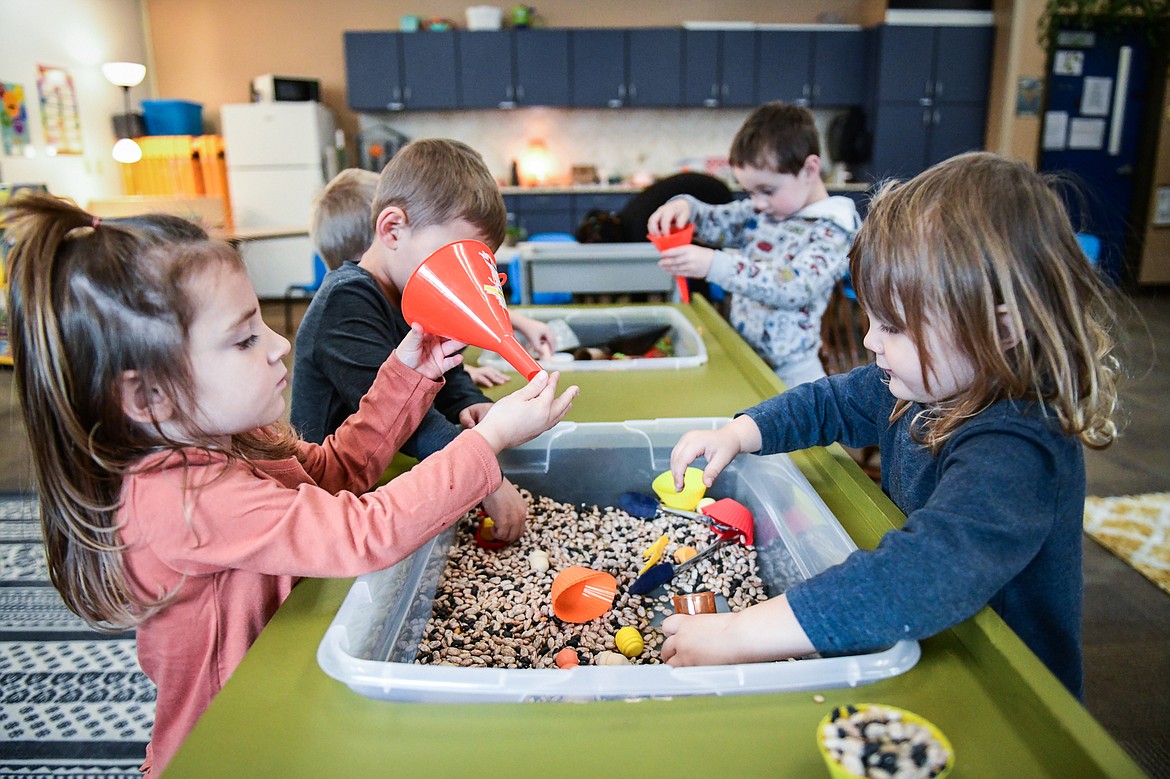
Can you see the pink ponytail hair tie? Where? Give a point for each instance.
(96, 221)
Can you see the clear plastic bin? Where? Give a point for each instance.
(596, 326)
(371, 643)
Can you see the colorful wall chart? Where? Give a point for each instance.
(13, 118)
(59, 111)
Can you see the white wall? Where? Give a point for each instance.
(77, 35)
(618, 142)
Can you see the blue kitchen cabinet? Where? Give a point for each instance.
(429, 79)
(962, 72)
(542, 213)
(617, 68)
(931, 96)
(599, 68)
(900, 139)
(585, 202)
(654, 67)
(719, 68)
(838, 67)
(784, 66)
(487, 78)
(542, 67)
(905, 64)
(373, 71)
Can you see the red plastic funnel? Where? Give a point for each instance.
(679, 237)
(457, 293)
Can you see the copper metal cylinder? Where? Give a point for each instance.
(695, 603)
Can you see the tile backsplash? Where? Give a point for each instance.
(618, 142)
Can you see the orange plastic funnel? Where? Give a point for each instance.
(580, 594)
(679, 237)
(458, 293)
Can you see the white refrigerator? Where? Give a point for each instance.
(279, 156)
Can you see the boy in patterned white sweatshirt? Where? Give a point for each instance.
(792, 240)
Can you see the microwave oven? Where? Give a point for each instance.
(269, 88)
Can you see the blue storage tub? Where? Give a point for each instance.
(172, 117)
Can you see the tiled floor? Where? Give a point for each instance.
(1127, 619)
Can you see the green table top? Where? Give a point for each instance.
(1005, 714)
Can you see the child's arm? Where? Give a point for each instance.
(234, 518)
(355, 456)
(852, 408)
(538, 333)
(790, 268)
(730, 225)
(765, 631)
(720, 447)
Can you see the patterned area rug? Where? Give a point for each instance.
(1136, 528)
(73, 702)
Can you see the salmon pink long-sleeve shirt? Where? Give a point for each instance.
(229, 538)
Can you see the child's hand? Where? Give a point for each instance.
(719, 447)
(526, 413)
(473, 415)
(690, 260)
(486, 375)
(508, 510)
(538, 333)
(428, 354)
(669, 217)
(766, 631)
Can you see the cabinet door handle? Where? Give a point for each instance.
(406, 95)
(510, 92)
(927, 89)
(806, 90)
(711, 103)
(714, 90)
(926, 117)
(397, 93)
(938, 89)
(519, 91)
(816, 90)
(925, 101)
(613, 103)
(621, 91)
(633, 91)
(936, 116)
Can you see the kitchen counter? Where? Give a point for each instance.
(1005, 714)
(624, 189)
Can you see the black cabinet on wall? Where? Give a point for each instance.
(507, 69)
(931, 96)
(719, 68)
(428, 71)
(542, 67)
(487, 77)
(619, 68)
(812, 67)
(390, 71)
(373, 71)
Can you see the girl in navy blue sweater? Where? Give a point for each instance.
(993, 367)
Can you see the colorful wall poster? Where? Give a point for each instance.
(13, 119)
(59, 111)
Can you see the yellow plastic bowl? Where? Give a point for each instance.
(837, 771)
(692, 491)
